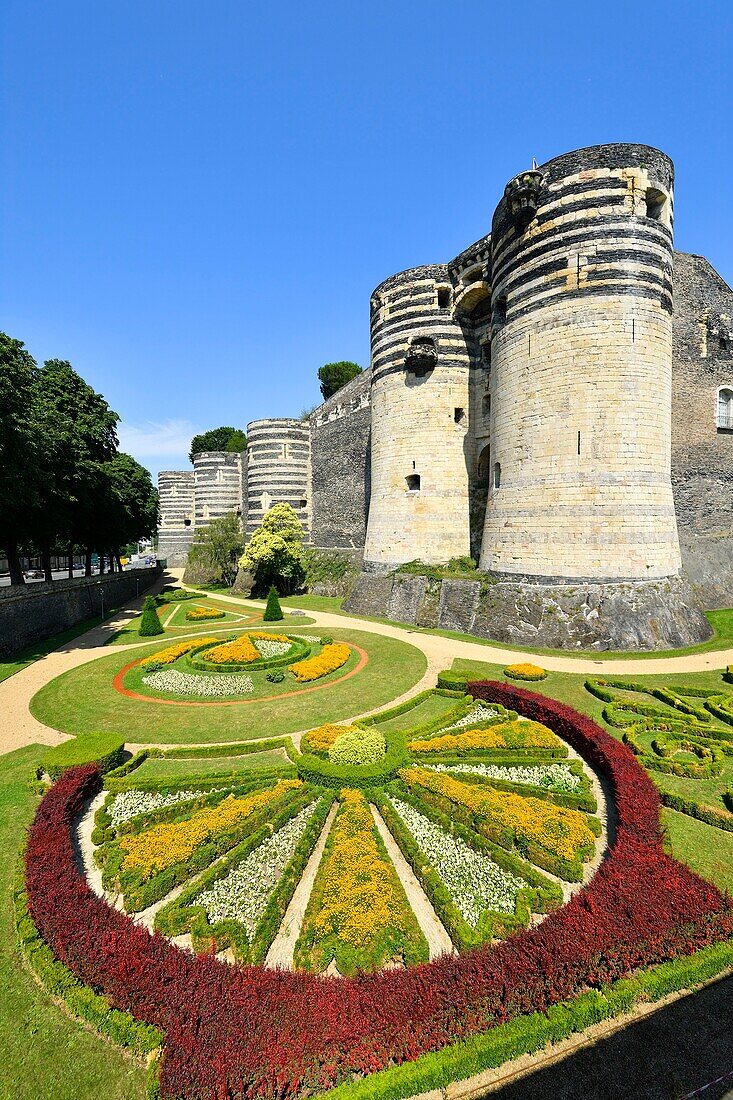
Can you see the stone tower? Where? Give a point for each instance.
(419, 505)
(581, 371)
(278, 469)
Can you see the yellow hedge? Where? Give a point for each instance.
(200, 614)
(168, 656)
(560, 831)
(323, 737)
(163, 845)
(330, 658)
(508, 735)
(242, 650)
(525, 671)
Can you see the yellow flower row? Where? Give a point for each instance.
(199, 614)
(322, 738)
(168, 656)
(242, 650)
(361, 895)
(561, 831)
(173, 842)
(525, 671)
(331, 657)
(507, 735)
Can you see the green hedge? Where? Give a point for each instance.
(462, 706)
(531, 1033)
(315, 769)
(106, 750)
(699, 810)
(183, 915)
(81, 1001)
(297, 652)
(581, 800)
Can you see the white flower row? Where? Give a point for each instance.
(476, 714)
(243, 894)
(474, 882)
(185, 683)
(553, 777)
(128, 804)
(312, 638)
(268, 648)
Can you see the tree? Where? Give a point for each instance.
(150, 624)
(216, 550)
(333, 376)
(274, 553)
(20, 447)
(273, 611)
(128, 503)
(218, 439)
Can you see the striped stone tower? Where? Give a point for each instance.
(278, 469)
(419, 505)
(217, 485)
(581, 365)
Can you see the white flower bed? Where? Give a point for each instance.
(243, 894)
(475, 715)
(267, 648)
(186, 683)
(553, 777)
(312, 638)
(128, 804)
(474, 882)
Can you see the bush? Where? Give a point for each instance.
(150, 623)
(276, 676)
(106, 750)
(273, 611)
(358, 747)
(525, 671)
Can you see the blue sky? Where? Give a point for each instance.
(199, 198)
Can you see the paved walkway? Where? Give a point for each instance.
(18, 727)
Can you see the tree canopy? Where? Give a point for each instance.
(333, 376)
(215, 550)
(218, 439)
(63, 483)
(274, 554)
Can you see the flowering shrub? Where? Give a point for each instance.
(200, 614)
(257, 1032)
(176, 682)
(509, 735)
(528, 822)
(525, 671)
(241, 651)
(358, 747)
(553, 777)
(474, 881)
(358, 913)
(321, 739)
(330, 658)
(242, 895)
(163, 845)
(172, 653)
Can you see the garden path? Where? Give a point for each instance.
(18, 727)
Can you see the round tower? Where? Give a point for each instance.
(581, 366)
(419, 505)
(278, 469)
(175, 531)
(217, 485)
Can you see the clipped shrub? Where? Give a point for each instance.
(106, 750)
(525, 671)
(273, 611)
(276, 676)
(332, 656)
(201, 614)
(150, 624)
(355, 746)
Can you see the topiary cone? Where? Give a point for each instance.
(150, 623)
(273, 611)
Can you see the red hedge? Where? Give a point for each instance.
(235, 1032)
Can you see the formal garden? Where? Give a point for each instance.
(282, 860)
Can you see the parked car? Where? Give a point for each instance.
(34, 575)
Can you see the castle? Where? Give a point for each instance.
(556, 401)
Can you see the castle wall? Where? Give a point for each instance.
(278, 469)
(702, 450)
(176, 528)
(340, 466)
(420, 405)
(581, 373)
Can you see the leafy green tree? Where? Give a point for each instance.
(20, 447)
(273, 611)
(128, 503)
(274, 553)
(216, 549)
(218, 439)
(333, 376)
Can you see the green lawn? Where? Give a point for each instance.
(40, 649)
(173, 618)
(171, 768)
(84, 700)
(45, 1053)
(708, 850)
(433, 707)
(720, 621)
